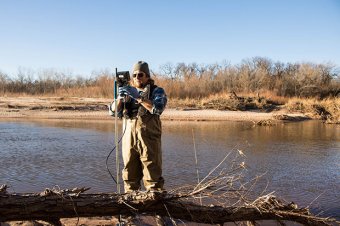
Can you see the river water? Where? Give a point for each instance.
(301, 161)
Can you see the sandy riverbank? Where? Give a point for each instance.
(96, 109)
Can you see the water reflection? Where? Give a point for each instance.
(301, 160)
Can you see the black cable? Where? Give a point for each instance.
(114, 148)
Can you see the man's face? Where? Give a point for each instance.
(139, 79)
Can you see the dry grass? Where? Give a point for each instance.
(327, 109)
(81, 92)
(94, 92)
(226, 101)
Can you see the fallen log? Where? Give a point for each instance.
(51, 205)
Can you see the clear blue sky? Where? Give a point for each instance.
(84, 35)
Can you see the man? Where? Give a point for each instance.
(140, 104)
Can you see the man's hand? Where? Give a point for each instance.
(128, 91)
(111, 109)
(121, 92)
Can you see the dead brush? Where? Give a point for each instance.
(327, 109)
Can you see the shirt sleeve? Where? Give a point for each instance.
(159, 100)
(112, 110)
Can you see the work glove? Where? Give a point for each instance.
(129, 91)
(121, 92)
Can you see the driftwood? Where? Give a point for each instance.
(222, 196)
(51, 205)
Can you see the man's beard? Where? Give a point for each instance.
(140, 85)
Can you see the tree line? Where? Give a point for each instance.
(192, 80)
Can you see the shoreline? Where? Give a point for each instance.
(168, 115)
(96, 109)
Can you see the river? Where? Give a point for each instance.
(301, 161)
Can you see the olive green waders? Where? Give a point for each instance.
(142, 153)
